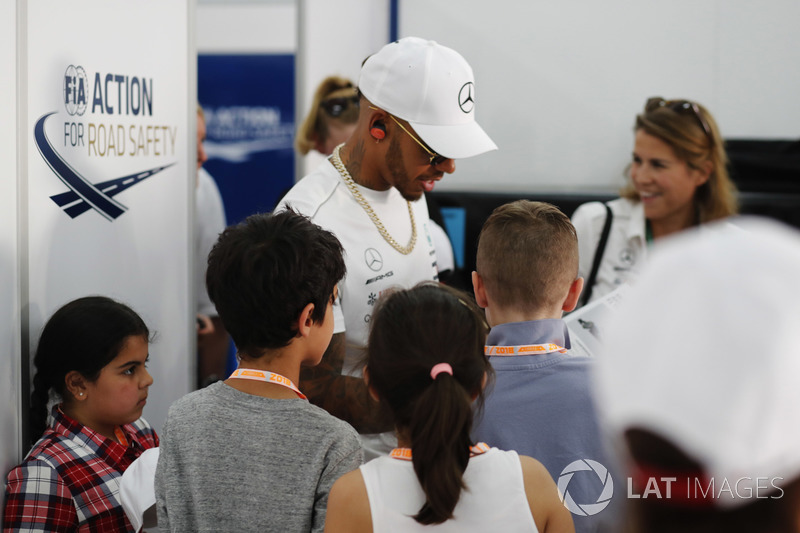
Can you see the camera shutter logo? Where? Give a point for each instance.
(585, 465)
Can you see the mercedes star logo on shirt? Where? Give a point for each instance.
(373, 259)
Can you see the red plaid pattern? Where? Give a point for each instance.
(70, 479)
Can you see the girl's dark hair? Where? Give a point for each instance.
(413, 330)
(84, 335)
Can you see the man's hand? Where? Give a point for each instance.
(345, 397)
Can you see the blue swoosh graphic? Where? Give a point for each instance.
(89, 193)
(109, 188)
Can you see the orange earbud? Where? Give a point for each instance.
(378, 131)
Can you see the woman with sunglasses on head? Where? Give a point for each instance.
(677, 179)
(332, 117)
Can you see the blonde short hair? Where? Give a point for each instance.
(527, 255)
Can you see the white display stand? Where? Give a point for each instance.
(99, 180)
(10, 360)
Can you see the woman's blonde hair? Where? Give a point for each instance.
(690, 130)
(315, 126)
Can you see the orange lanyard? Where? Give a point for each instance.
(268, 377)
(405, 453)
(121, 438)
(523, 349)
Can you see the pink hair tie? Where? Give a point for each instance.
(441, 367)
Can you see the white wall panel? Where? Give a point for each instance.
(10, 364)
(142, 255)
(758, 83)
(334, 38)
(257, 27)
(559, 83)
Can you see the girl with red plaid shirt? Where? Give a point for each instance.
(92, 353)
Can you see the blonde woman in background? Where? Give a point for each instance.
(677, 179)
(332, 117)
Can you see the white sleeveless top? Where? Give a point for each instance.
(495, 499)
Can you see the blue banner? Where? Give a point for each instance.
(248, 101)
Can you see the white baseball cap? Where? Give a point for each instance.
(705, 352)
(433, 88)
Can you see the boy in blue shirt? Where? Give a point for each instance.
(541, 403)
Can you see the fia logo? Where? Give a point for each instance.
(76, 84)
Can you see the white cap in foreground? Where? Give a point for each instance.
(705, 353)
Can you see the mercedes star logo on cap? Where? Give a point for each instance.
(465, 101)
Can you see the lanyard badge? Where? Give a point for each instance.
(523, 349)
(267, 377)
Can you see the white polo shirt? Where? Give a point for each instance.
(626, 249)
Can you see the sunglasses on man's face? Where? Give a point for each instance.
(434, 159)
(680, 107)
(336, 106)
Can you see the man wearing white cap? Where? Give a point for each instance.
(417, 115)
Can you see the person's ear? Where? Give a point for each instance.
(480, 290)
(377, 131)
(377, 124)
(574, 294)
(304, 321)
(703, 173)
(76, 385)
(372, 392)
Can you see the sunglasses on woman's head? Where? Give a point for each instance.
(681, 107)
(336, 106)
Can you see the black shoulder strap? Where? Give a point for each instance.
(598, 256)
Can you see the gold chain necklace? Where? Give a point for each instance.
(351, 184)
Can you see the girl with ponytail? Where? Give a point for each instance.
(91, 356)
(425, 361)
